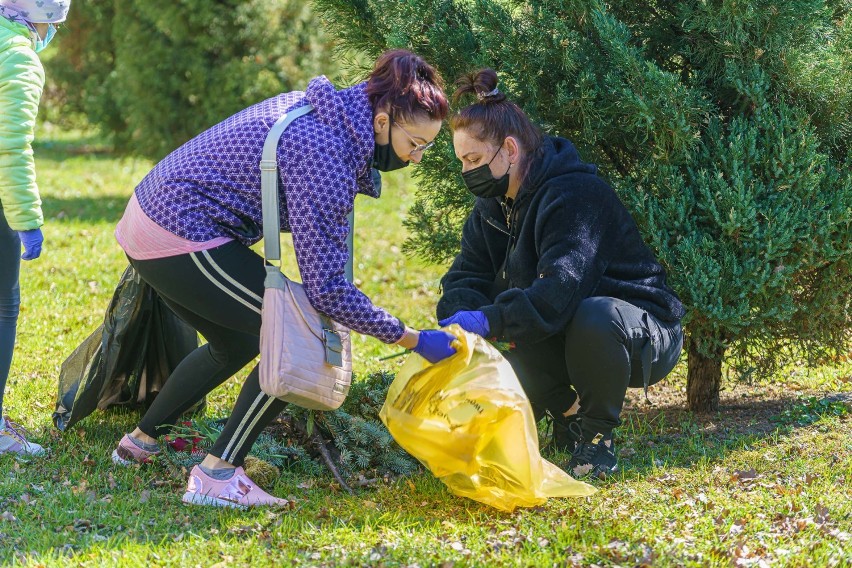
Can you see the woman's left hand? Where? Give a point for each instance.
(472, 321)
(32, 241)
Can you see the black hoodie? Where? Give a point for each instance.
(566, 238)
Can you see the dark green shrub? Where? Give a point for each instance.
(154, 74)
(726, 127)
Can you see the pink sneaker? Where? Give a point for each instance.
(13, 440)
(239, 491)
(128, 453)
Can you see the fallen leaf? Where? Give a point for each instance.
(745, 475)
(666, 477)
(737, 527)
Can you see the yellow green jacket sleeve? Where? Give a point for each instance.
(21, 85)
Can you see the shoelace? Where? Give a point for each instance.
(585, 452)
(573, 426)
(16, 431)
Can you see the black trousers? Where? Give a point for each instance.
(609, 345)
(10, 297)
(219, 292)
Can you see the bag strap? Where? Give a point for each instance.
(269, 191)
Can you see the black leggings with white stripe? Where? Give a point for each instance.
(218, 292)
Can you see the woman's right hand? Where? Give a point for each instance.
(435, 345)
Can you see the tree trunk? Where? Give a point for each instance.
(703, 378)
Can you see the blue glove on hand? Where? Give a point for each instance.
(435, 345)
(474, 322)
(31, 240)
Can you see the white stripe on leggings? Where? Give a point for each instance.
(220, 285)
(250, 427)
(241, 424)
(230, 279)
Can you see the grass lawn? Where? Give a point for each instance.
(765, 481)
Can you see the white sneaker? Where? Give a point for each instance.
(13, 441)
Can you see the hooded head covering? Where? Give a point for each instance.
(39, 11)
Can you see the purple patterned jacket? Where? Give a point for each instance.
(210, 187)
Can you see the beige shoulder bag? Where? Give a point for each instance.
(305, 357)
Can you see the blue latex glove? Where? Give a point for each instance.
(31, 240)
(474, 322)
(435, 345)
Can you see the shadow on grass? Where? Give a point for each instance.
(672, 436)
(108, 209)
(88, 145)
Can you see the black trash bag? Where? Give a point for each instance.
(127, 358)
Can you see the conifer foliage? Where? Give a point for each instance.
(351, 441)
(154, 74)
(725, 126)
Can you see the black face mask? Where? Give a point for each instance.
(483, 184)
(385, 159)
(377, 181)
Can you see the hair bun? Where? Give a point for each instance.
(482, 84)
(490, 94)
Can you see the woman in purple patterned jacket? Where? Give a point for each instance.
(190, 222)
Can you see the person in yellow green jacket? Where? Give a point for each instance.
(26, 27)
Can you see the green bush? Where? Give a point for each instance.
(154, 74)
(726, 128)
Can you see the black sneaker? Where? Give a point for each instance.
(594, 459)
(565, 433)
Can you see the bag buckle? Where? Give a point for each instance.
(333, 347)
(268, 165)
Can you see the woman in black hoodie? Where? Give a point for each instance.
(552, 261)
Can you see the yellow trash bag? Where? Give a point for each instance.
(469, 421)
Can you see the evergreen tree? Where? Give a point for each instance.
(725, 126)
(154, 74)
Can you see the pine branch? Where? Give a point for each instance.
(314, 439)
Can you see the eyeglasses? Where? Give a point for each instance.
(417, 147)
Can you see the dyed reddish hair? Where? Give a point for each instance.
(494, 117)
(404, 85)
